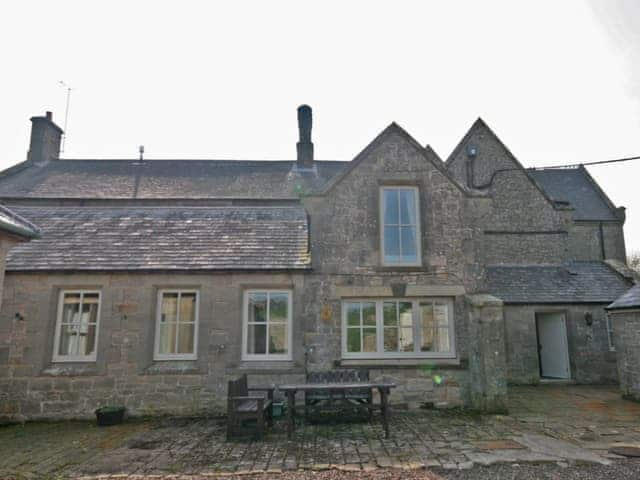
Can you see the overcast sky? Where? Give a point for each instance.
(558, 81)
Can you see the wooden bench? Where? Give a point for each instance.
(354, 395)
(242, 407)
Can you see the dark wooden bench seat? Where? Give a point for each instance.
(250, 404)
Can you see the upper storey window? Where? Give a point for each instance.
(400, 230)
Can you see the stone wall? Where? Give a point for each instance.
(521, 226)
(346, 259)
(626, 327)
(125, 371)
(586, 243)
(487, 366)
(591, 360)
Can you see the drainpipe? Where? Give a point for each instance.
(601, 236)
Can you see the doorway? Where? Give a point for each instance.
(553, 349)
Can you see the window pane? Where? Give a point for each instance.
(256, 339)
(390, 207)
(391, 244)
(426, 327)
(369, 340)
(426, 315)
(407, 207)
(257, 307)
(391, 339)
(353, 314)
(89, 313)
(188, 307)
(71, 298)
(168, 333)
(87, 340)
(369, 313)
(353, 339)
(71, 311)
(406, 339)
(406, 314)
(441, 315)
(186, 337)
(278, 307)
(443, 343)
(91, 298)
(169, 307)
(390, 313)
(408, 247)
(278, 339)
(68, 340)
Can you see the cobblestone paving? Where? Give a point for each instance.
(547, 423)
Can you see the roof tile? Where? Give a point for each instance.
(184, 238)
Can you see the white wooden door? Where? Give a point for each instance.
(552, 344)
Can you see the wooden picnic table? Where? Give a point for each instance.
(339, 390)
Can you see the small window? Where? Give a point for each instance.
(77, 326)
(267, 325)
(177, 325)
(420, 328)
(400, 232)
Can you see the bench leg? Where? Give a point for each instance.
(384, 410)
(260, 425)
(291, 405)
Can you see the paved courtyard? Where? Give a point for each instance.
(558, 424)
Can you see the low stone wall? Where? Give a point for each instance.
(626, 328)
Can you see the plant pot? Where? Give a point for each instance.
(107, 416)
(277, 409)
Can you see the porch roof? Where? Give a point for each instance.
(630, 299)
(574, 282)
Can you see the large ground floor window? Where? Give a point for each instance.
(398, 328)
(266, 332)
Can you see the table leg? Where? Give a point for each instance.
(291, 406)
(384, 409)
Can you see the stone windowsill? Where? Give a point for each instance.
(70, 370)
(434, 363)
(172, 367)
(266, 368)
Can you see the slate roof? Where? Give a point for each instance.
(575, 186)
(575, 282)
(15, 224)
(630, 299)
(148, 238)
(128, 179)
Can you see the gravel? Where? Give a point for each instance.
(618, 470)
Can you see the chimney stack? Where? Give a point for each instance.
(305, 146)
(45, 139)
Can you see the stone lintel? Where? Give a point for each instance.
(411, 291)
(483, 300)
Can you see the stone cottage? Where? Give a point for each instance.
(156, 281)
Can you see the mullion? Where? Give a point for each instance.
(399, 226)
(76, 343)
(175, 347)
(267, 321)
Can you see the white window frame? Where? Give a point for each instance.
(245, 326)
(380, 354)
(57, 358)
(176, 356)
(416, 198)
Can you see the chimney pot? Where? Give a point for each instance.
(304, 145)
(49, 116)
